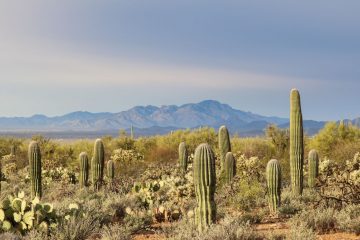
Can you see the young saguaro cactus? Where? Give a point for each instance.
(34, 155)
(97, 164)
(296, 143)
(84, 169)
(224, 144)
(110, 170)
(183, 156)
(313, 167)
(230, 167)
(204, 182)
(273, 177)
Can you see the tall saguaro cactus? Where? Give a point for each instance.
(204, 182)
(84, 169)
(229, 167)
(110, 169)
(97, 164)
(224, 144)
(132, 136)
(273, 177)
(296, 143)
(35, 169)
(183, 156)
(313, 167)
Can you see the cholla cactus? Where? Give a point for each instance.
(230, 167)
(183, 156)
(313, 167)
(110, 168)
(224, 144)
(273, 177)
(296, 143)
(84, 169)
(35, 169)
(97, 164)
(204, 181)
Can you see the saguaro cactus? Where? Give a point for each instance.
(296, 143)
(224, 144)
(204, 182)
(183, 156)
(84, 169)
(132, 132)
(97, 164)
(35, 169)
(230, 167)
(273, 177)
(313, 167)
(13, 150)
(110, 169)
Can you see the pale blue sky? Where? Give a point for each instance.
(63, 56)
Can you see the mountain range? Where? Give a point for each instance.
(149, 120)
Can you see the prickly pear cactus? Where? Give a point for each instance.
(35, 169)
(183, 156)
(84, 169)
(97, 164)
(296, 143)
(204, 182)
(273, 177)
(110, 168)
(224, 144)
(229, 167)
(313, 167)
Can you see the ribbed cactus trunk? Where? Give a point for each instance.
(132, 132)
(313, 167)
(183, 157)
(204, 182)
(224, 144)
(230, 167)
(35, 169)
(110, 169)
(296, 143)
(97, 164)
(84, 169)
(273, 177)
(13, 150)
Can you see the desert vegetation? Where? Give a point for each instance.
(188, 184)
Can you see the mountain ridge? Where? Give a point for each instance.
(160, 119)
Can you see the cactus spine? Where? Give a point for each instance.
(273, 177)
(35, 169)
(84, 169)
(110, 169)
(230, 167)
(183, 156)
(313, 167)
(204, 182)
(296, 143)
(224, 144)
(97, 164)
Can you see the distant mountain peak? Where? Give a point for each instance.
(209, 112)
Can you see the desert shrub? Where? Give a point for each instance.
(78, 226)
(337, 141)
(10, 236)
(251, 147)
(227, 229)
(300, 231)
(348, 219)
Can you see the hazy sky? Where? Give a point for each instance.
(63, 56)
